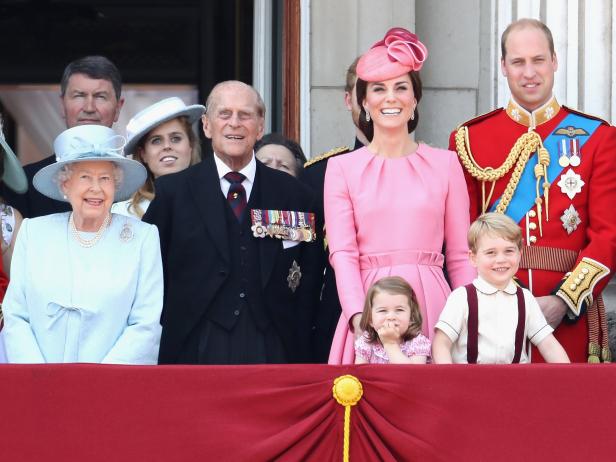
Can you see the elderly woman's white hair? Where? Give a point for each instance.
(66, 171)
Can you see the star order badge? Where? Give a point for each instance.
(571, 183)
(294, 276)
(570, 219)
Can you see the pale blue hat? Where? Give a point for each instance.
(90, 143)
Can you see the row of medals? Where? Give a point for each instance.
(304, 234)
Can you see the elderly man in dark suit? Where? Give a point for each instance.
(237, 247)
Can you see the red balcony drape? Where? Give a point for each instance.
(262, 413)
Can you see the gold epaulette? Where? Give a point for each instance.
(579, 284)
(327, 155)
(480, 117)
(589, 116)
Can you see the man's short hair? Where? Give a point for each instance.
(494, 224)
(521, 24)
(211, 99)
(351, 76)
(95, 67)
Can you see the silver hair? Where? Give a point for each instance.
(212, 98)
(66, 171)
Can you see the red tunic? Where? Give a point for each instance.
(491, 138)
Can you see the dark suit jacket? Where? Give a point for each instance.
(328, 310)
(32, 203)
(189, 212)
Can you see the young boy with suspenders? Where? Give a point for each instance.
(490, 320)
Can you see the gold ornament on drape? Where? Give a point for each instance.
(347, 391)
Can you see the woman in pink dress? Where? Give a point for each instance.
(393, 206)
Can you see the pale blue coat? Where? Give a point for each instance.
(66, 303)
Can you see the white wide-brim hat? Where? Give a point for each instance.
(14, 176)
(152, 116)
(90, 143)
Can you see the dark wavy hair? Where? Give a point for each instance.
(368, 127)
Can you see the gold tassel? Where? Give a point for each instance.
(347, 392)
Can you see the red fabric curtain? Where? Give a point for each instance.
(262, 413)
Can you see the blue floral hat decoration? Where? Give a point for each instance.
(88, 143)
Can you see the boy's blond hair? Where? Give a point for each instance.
(495, 224)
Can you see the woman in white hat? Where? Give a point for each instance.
(86, 285)
(162, 139)
(13, 177)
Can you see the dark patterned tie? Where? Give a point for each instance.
(237, 194)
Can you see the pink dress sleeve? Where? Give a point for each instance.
(342, 239)
(363, 349)
(457, 222)
(419, 346)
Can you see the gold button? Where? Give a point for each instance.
(532, 214)
(573, 286)
(532, 225)
(532, 239)
(585, 270)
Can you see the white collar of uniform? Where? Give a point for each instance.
(249, 171)
(485, 287)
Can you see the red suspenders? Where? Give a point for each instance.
(473, 325)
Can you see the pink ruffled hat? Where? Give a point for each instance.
(399, 52)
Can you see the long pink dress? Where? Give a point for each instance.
(392, 217)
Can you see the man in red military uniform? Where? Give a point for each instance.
(553, 170)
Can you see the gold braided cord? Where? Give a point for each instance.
(519, 154)
(544, 161)
(347, 434)
(531, 140)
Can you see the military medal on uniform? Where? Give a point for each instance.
(563, 156)
(283, 224)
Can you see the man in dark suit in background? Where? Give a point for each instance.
(90, 94)
(237, 247)
(328, 310)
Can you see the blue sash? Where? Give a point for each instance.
(525, 194)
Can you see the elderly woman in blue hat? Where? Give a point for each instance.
(86, 285)
(161, 137)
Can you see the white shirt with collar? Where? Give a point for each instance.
(498, 320)
(249, 171)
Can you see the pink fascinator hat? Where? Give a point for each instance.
(399, 52)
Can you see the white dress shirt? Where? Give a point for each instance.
(249, 172)
(498, 319)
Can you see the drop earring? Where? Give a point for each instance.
(367, 116)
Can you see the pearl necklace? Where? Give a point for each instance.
(87, 243)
